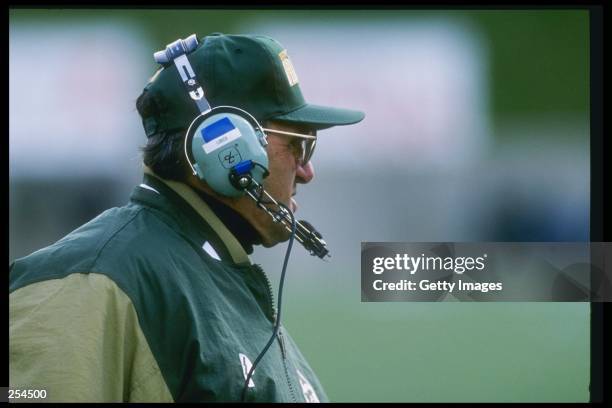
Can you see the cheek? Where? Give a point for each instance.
(281, 163)
(280, 176)
(282, 173)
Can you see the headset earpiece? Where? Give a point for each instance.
(222, 141)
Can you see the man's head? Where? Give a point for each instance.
(288, 168)
(253, 73)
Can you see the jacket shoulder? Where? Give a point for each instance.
(78, 252)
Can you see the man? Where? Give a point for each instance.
(158, 300)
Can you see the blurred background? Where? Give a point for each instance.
(476, 129)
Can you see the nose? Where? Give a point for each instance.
(304, 173)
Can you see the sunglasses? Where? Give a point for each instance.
(306, 146)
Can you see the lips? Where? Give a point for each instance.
(293, 205)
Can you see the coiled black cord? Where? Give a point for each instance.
(280, 298)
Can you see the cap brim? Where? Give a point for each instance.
(321, 117)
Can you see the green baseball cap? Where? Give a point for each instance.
(250, 72)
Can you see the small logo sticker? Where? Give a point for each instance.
(246, 367)
(230, 157)
(309, 393)
(289, 70)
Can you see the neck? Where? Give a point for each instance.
(231, 212)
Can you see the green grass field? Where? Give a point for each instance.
(443, 352)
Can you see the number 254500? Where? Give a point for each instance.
(27, 394)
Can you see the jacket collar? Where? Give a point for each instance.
(190, 208)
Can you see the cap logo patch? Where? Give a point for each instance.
(288, 66)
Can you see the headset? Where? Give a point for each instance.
(225, 147)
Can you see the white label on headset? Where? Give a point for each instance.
(218, 134)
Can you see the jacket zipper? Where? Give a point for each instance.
(271, 312)
(281, 340)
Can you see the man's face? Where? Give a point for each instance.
(286, 172)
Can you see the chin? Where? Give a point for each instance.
(277, 235)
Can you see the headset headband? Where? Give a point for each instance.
(177, 53)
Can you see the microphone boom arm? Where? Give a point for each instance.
(305, 233)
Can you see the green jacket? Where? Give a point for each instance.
(154, 301)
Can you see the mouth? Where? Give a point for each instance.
(293, 205)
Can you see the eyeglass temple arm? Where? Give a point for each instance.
(282, 132)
